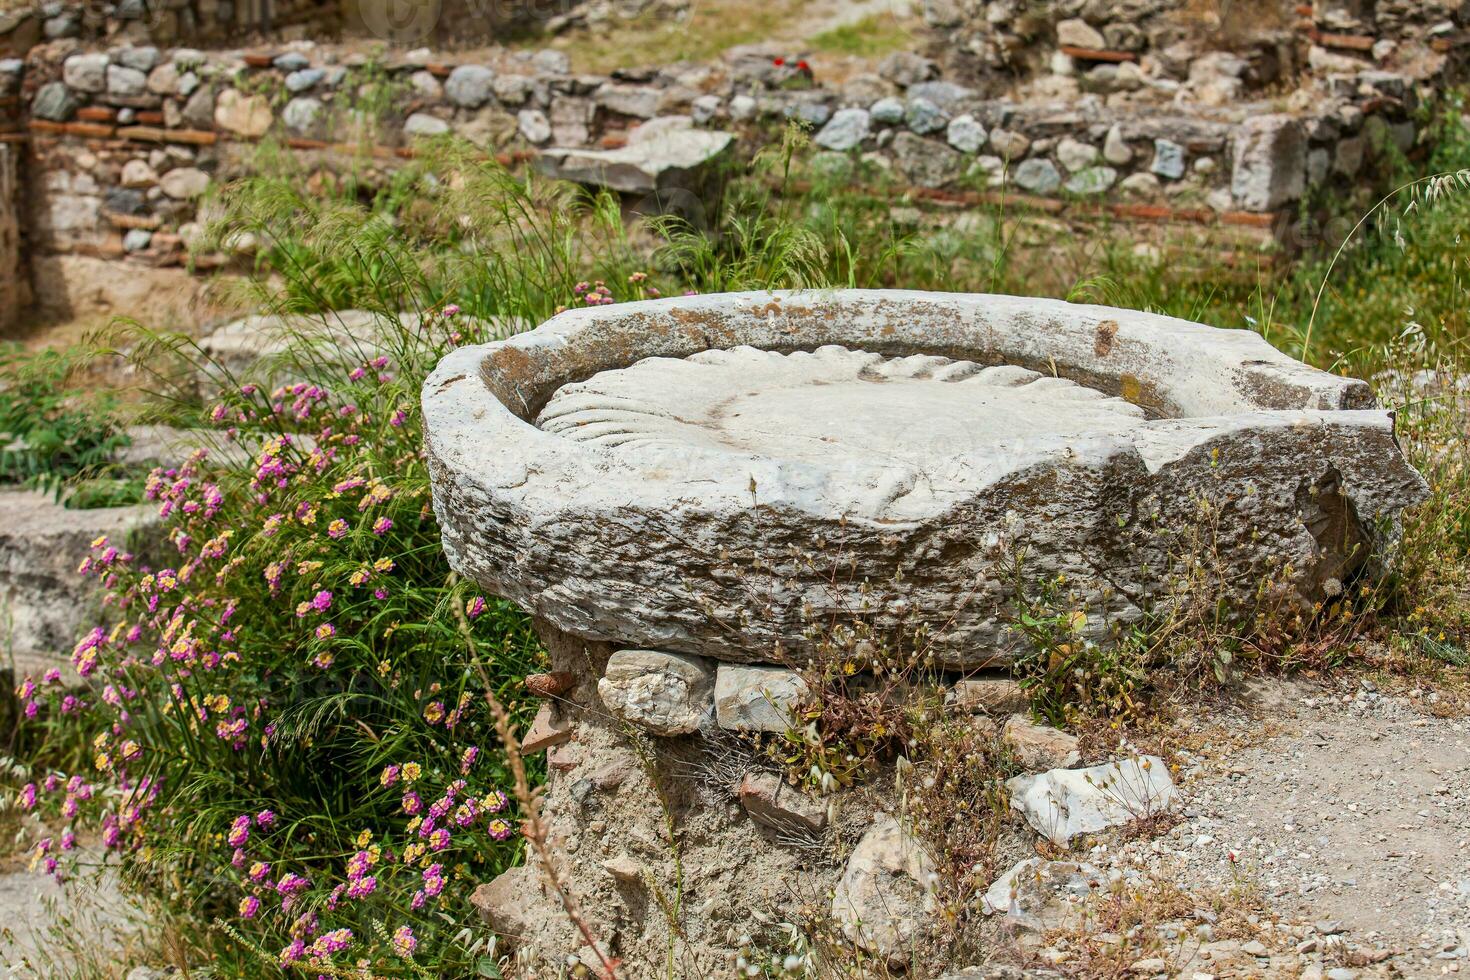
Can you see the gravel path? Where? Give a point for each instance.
(50, 931)
(1351, 819)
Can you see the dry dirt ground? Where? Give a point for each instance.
(1343, 812)
(87, 928)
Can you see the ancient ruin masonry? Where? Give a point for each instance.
(117, 125)
(686, 493)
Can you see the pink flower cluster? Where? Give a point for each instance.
(284, 565)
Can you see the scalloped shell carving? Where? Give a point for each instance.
(829, 405)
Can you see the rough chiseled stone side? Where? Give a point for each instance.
(748, 845)
(721, 554)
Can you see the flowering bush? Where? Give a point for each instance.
(292, 745)
(287, 706)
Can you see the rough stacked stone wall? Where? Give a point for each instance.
(123, 137)
(165, 21)
(1219, 49)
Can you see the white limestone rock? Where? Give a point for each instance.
(757, 699)
(1169, 159)
(184, 183)
(846, 130)
(663, 693)
(1062, 803)
(424, 125)
(1037, 175)
(513, 90)
(254, 347)
(1009, 145)
(137, 173)
(966, 134)
(1078, 33)
(426, 86)
(923, 116)
(886, 892)
(302, 113)
(1093, 180)
(469, 86)
(1039, 895)
(639, 101)
(651, 505)
(245, 115)
(1141, 185)
(705, 108)
(1076, 155)
(533, 125)
(44, 604)
(888, 111)
(926, 162)
(1270, 162)
(663, 159)
(122, 80)
(1116, 149)
(85, 72)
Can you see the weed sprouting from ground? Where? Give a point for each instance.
(51, 429)
(864, 699)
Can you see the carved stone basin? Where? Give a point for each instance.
(724, 475)
(834, 407)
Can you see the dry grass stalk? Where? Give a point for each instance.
(533, 826)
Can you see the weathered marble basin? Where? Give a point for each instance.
(722, 474)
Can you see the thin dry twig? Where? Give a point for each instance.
(533, 826)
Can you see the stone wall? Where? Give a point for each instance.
(1215, 50)
(15, 293)
(165, 22)
(124, 139)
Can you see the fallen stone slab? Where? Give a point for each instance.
(663, 693)
(1270, 162)
(255, 345)
(1062, 803)
(45, 605)
(241, 345)
(163, 445)
(665, 158)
